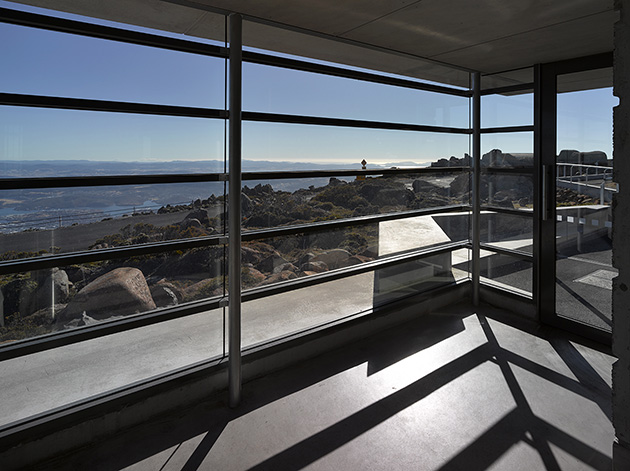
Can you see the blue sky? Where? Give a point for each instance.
(49, 63)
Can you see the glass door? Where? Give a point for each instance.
(583, 198)
(577, 189)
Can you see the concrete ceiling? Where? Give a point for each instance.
(417, 38)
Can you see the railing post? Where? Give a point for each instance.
(476, 179)
(234, 210)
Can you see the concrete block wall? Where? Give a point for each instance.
(621, 249)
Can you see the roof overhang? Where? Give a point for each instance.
(438, 40)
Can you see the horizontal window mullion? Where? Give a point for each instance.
(508, 252)
(35, 20)
(89, 256)
(246, 176)
(109, 180)
(295, 64)
(82, 104)
(342, 122)
(248, 236)
(508, 129)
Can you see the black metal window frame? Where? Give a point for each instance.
(58, 339)
(515, 171)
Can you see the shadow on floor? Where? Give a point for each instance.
(521, 424)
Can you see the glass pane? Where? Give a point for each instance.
(507, 191)
(507, 231)
(508, 149)
(275, 90)
(272, 146)
(42, 62)
(60, 220)
(292, 201)
(316, 305)
(278, 259)
(585, 189)
(40, 142)
(507, 110)
(507, 271)
(414, 277)
(45, 301)
(54, 378)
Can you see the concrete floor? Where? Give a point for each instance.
(455, 390)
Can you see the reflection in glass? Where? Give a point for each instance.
(584, 194)
(507, 191)
(507, 110)
(507, 231)
(507, 149)
(504, 270)
(327, 302)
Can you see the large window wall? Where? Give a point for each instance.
(356, 193)
(507, 187)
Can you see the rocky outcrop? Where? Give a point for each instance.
(572, 156)
(335, 258)
(268, 264)
(317, 267)
(122, 291)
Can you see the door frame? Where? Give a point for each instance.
(545, 142)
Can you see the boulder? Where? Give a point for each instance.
(52, 289)
(268, 264)
(317, 267)
(163, 296)
(332, 258)
(307, 257)
(190, 222)
(423, 186)
(79, 273)
(247, 206)
(120, 292)
(370, 252)
(249, 255)
(251, 277)
(393, 197)
(80, 322)
(354, 260)
(285, 267)
(277, 277)
(200, 214)
(17, 295)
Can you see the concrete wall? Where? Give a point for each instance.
(621, 249)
